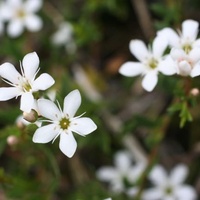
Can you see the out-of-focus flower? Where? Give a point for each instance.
(150, 62)
(169, 187)
(24, 85)
(64, 37)
(123, 176)
(185, 57)
(108, 199)
(21, 14)
(21, 122)
(63, 123)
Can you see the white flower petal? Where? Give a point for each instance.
(67, 144)
(33, 23)
(139, 49)
(48, 109)
(43, 82)
(122, 161)
(177, 54)
(32, 5)
(171, 36)
(196, 70)
(178, 174)
(149, 81)
(194, 54)
(30, 64)
(136, 171)
(27, 101)
(7, 93)
(45, 134)
(132, 191)
(9, 72)
(72, 102)
(131, 69)
(15, 28)
(83, 126)
(107, 174)
(153, 194)
(167, 66)
(158, 175)
(190, 29)
(159, 46)
(196, 43)
(186, 192)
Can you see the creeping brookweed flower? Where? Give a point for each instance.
(26, 83)
(123, 176)
(169, 186)
(150, 61)
(21, 14)
(62, 123)
(185, 57)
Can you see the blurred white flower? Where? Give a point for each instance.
(185, 57)
(63, 123)
(108, 199)
(21, 14)
(123, 176)
(64, 37)
(169, 187)
(24, 85)
(150, 62)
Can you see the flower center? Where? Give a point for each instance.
(64, 123)
(187, 48)
(153, 63)
(20, 13)
(168, 190)
(26, 86)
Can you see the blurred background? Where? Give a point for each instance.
(87, 54)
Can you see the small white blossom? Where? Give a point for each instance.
(25, 84)
(62, 123)
(185, 57)
(150, 62)
(64, 37)
(169, 187)
(123, 176)
(21, 14)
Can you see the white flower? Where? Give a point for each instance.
(64, 36)
(169, 187)
(186, 40)
(24, 85)
(150, 62)
(185, 57)
(123, 176)
(63, 123)
(21, 14)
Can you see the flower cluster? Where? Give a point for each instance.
(19, 14)
(124, 177)
(183, 58)
(59, 122)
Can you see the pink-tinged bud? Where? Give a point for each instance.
(194, 92)
(31, 116)
(12, 140)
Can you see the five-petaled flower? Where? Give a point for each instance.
(185, 56)
(21, 14)
(25, 84)
(123, 176)
(63, 123)
(150, 62)
(169, 186)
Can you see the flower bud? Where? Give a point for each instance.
(194, 92)
(12, 140)
(31, 117)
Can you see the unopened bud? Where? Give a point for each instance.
(12, 140)
(31, 116)
(194, 92)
